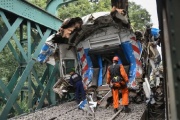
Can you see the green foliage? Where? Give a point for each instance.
(40, 3)
(23, 105)
(103, 6)
(8, 65)
(83, 7)
(78, 8)
(139, 17)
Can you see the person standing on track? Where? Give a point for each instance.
(117, 80)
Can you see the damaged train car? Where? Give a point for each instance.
(99, 41)
(91, 50)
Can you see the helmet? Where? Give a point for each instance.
(115, 58)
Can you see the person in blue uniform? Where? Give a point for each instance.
(76, 81)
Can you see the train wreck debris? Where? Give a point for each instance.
(103, 37)
(95, 47)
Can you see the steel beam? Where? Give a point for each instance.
(16, 91)
(54, 71)
(29, 39)
(13, 51)
(29, 11)
(7, 93)
(23, 12)
(14, 36)
(39, 87)
(13, 80)
(10, 32)
(168, 14)
(29, 57)
(172, 43)
(42, 80)
(23, 78)
(53, 5)
(37, 80)
(52, 94)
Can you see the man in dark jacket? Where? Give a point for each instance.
(76, 81)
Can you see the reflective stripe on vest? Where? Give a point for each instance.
(76, 77)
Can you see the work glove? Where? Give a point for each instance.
(123, 83)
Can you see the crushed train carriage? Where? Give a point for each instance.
(90, 52)
(93, 49)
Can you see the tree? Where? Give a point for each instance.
(83, 7)
(8, 63)
(40, 3)
(139, 17)
(78, 8)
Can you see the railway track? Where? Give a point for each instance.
(69, 111)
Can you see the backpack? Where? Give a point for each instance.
(116, 77)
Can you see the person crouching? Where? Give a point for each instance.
(76, 81)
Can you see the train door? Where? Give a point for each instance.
(102, 58)
(68, 60)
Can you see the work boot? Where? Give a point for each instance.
(115, 110)
(126, 109)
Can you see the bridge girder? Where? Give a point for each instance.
(33, 13)
(53, 5)
(25, 29)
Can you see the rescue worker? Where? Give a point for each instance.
(76, 81)
(117, 79)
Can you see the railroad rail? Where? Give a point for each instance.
(70, 111)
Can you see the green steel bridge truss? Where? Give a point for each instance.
(24, 29)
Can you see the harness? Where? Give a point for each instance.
(115, 73)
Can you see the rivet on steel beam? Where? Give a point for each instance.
(178, 77)
(177, 102)
(174, 49)
(172, 32)
(174, 67)
(178, 65)
(176, 85)
(171, 15)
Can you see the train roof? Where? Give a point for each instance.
(91, 18)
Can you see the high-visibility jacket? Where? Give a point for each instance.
(115, 91)
(119, 71)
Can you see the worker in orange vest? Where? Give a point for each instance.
(117, 80)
